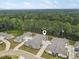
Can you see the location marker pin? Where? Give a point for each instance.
(44, 32)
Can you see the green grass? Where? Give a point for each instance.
(5, 57)
(29, 49)
(50, 37)
(9, 57)
(14, 57)
(25, 48)
(49, 56)
(15, 32)
(2, 46)
(71, 42)
(13, 43)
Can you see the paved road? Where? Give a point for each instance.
(45, 44)
(25, 54)
(7, 44)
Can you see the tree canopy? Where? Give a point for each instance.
(56, 23)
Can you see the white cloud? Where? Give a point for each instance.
(49, 4)
(43, 4)
(10, 5)
(47, 1)
(27, 5)
(7, 5)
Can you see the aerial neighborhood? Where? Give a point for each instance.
(55, 47)
(39, 29)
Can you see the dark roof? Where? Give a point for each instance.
(36, 42)
(21, 38)
(58, 46)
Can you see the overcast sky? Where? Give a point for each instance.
(39, 4)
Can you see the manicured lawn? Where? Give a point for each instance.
(15, 32)
(29, 49)
(48, 56)
(72, 42)
(13, 43)
(9, 57)
(2, 46)
(14, 57)
(50, 37)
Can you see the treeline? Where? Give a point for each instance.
(57, 24)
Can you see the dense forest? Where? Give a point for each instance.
(61, 23)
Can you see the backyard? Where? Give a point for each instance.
(29, 49)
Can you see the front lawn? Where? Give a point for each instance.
(50, 37)
(71, 42)
(14, 57)
(13, 43)
(49, 56)
(2, 46)
(29, 49)
(9, 57)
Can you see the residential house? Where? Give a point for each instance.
(36, 42)
(58, 47)
(6, 35)
(27, 35)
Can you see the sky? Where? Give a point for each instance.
(39, 4)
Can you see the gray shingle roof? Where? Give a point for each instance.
(36, 42)
(27, 34)
(6, 35)
(21, 38)
(58, 46)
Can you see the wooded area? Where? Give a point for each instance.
(61, 24)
